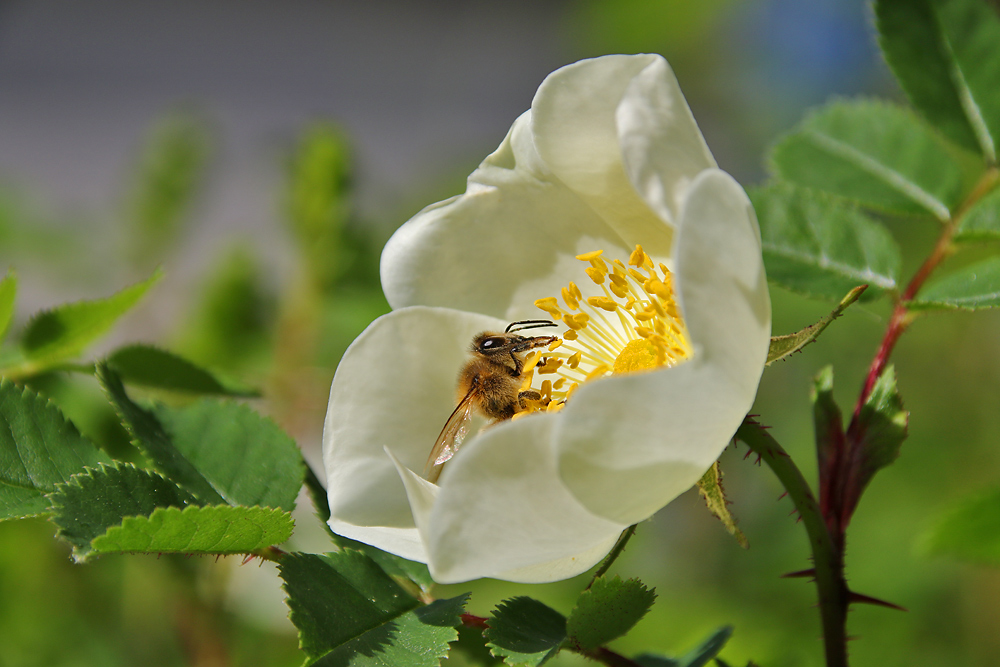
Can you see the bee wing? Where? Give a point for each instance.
(451, 437)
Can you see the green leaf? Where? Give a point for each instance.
(149, 366)
(875, 154)
(523, 631)
(338, 597)
(54, 335)
(218, 529)
(882, 424)
(944, 54)
(93, 501)
(418, 638)
(393, 565)
(696, 657)
(607, 610)
(8, 291)
(970, 288)
(783, 347)
(153, 441)
(245, 457)
(982, 221)
(710, 488)
(820, 247)
(969, 530)
(38, 450)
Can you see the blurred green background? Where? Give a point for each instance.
(262, 154)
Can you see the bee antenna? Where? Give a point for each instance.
(521, 325)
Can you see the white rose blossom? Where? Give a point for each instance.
(662, 346)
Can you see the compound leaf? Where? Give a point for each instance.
(969, 530)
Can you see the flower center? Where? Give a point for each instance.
(630, 324)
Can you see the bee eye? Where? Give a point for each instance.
(491, 343)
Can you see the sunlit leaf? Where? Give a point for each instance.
(944, 53)
(91, 502)
(54, 335)
(820, 247)
(969, 288)
(38, 450)
(218, 529)
(873, 153)
(607, 610)
(710, 488)
(784, 346)
(523, 631)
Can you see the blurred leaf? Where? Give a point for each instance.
(172, 169)
(969, 288)
(523, 631)
(710, 488)
(944, 53)
(643, 26)
(244, 456)
(231, 329)
(696, 657)
(348, 611)
(820, 247)
(783, 347)
(982, 221)
(878, 435)
(93, 501)
(872, 153)
(8, 292)
(607, 610)
(54, 335)
(969, 530)
(393, 565)
(152, 367)
(152, 440)
(38, 450)
(319, 201)
(218, 529)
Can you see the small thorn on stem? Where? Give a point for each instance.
(800, 574)
(867, 599)
(783, 495)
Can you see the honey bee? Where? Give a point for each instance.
(490, 382)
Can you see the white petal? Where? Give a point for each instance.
(395, 387)
(577, 136)
(502, 512)
(662, 147)
(630, 444)
(504, 243)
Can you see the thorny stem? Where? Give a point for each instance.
(613, 555)
(827, 558)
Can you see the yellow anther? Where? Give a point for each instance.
(555, 406)
(620, 291)
(550, 306)
(638, 256)
(636, 276)
(577, 321)
(645, 332)
(618, 267)
(559, 384)
(554, 344)
(577, 294)
(530, 362)
(551, 366)
(663, 267)
(572, 389)
(600, 371)
(603, 302)
(658, 307)
(570, 335)
(547, 390)
(574, 360)
(587, 256)
(570, 299)
(659, 326)
(643, 315)
(595, 274)
(657, 287)
(599, 264)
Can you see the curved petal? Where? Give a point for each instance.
(662, 148)
(495, 249)
(679, 419)
(577, 136)
(502, 512)
(394, 388)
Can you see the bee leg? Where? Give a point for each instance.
(524, 396)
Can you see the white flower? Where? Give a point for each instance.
(608, 157)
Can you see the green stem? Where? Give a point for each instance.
(613, 555)
(828, 560)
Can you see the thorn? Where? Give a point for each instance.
(747, 455)
(811, 572)
(867, 599)
(757, 462)
(783, 495)
(247, 559)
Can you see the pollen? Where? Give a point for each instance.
(626, 320)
